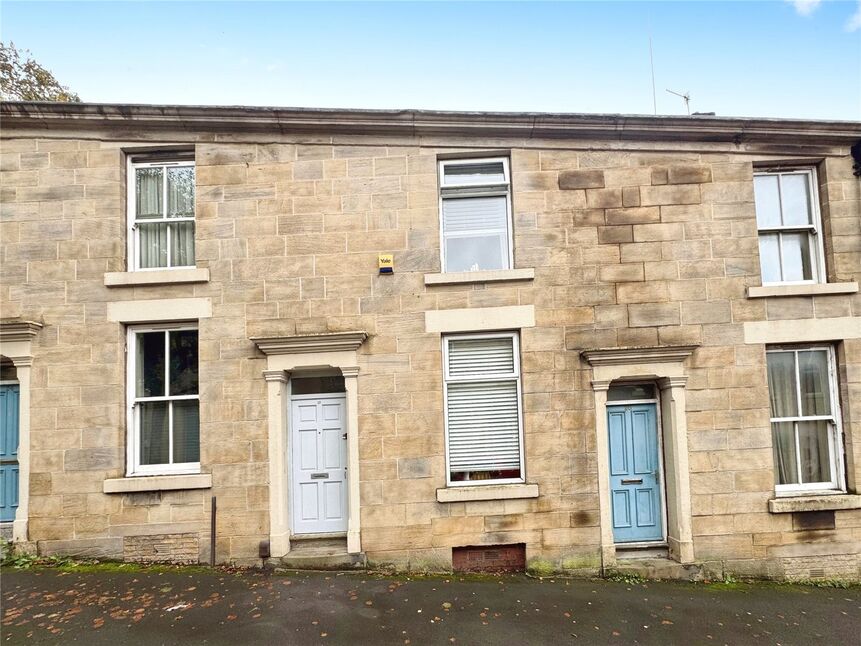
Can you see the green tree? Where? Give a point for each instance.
(23, 79)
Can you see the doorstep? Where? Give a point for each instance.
(320, 552)
(655, 568)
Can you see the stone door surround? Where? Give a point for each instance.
(308, 352)
(16, 344)
(665, 367)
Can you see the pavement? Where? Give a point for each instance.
(200, 606)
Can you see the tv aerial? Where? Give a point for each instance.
(687, 98)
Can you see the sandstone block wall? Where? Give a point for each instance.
(632, 245)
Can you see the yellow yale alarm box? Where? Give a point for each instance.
(387, 263)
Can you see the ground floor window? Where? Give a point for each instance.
(805, 419)
(164, 402)
(484, 436)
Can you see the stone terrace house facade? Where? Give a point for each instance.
(594, 339)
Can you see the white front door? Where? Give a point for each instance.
(319, 464)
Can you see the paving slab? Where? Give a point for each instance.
(200, 606)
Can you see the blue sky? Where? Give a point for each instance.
(771, 59)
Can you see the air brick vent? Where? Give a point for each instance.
(489, 558)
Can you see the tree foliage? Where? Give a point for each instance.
(23, 79)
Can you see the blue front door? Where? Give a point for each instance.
(8, 452)
(635, 473)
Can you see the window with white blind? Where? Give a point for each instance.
(484, 438)
(805, 419)
(161, 212)
(475, 212)
(163, 399)
(787, 217)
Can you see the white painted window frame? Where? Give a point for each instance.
(133, 231)
(813, 230)
(835, 435)
(477, 189)
(514, 376)
(133, 465)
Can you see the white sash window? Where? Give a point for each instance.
(475, 213)
(161, 213)
(787, 216)
(805, 419)
(164, 401)
(484, 437)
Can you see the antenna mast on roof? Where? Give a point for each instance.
(652, 64)
(687, 97)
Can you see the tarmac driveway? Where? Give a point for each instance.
(190, 606)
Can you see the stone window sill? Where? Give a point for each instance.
(156, 277)
(818, 289)
(158, 483)
(824, 502)
(462, 277)
(487, 492)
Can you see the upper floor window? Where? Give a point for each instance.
(787, 216)
(805, 419)
(475, 208)
(161, 213)
(164, 417)
(482, 403)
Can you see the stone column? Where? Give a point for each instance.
(602, 449)
(279, 520)
(673, 409)
(354, 533)
(19, 525)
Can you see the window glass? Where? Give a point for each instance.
(154, 433)
(475, 253)
(150, 364)
(186, 431)
(781, 384)
(767, 197)
(470, 214)
(469, 174)
(814, 451)
(785, 459)
(796, 257)
(153, 245)
(769, 257)
(180, 191)
(627, 392)
(183, 362)
(182, 244)
(317, 385)
(148, 192)
(795, 197)
(813, 382)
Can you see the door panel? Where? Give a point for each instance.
(618, 454)
(637, 496)
(319, 474)
(621, 509)
(8, 451)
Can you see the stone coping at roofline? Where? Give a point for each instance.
(701, 128)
